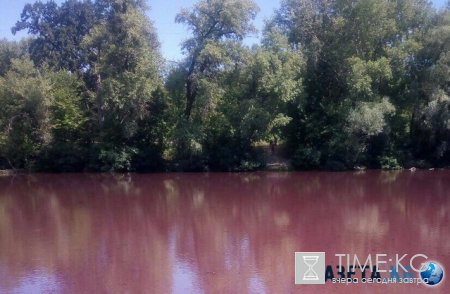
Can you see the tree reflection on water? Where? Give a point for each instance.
(209, 233)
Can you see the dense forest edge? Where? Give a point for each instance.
(334, 84)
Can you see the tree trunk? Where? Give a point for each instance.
(191, 91)
(10, 164)
(190, 97)
(98, 86)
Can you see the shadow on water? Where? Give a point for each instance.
(211, 233)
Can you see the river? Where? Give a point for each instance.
(214, 232)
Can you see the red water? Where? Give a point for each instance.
(213, 233)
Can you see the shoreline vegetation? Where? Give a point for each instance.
(269, 168)
(274, 160)
(333, 85)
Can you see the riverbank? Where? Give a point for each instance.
(7, 172)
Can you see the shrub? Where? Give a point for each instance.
(388, 162)
(116, 158)
(63, 157)
(306, 158)
(148, 160)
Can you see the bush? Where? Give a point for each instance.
(62, 157)
(148, 160)
(233, 157)
(335, 165)
(250, 165)
(388, 162)
(306, 158)
(192, 164)
(115, 158)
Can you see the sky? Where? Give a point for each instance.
(163, 15)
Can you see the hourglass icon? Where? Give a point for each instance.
(310, 274)
(309, 267)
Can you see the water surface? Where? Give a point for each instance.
(213, 232)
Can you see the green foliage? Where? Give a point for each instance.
(210, 22)
(148, 160)
(115, 158)
(306, 158)
(124, 62)
(388, 162)
(67, 151)
(344, 84)
(362, 78)
(218, 19)
(58, 31)
(25, 126)
(9, 51)
(68, 117)
(368, 118)
(62, 157)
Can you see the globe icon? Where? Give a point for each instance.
(433, 272)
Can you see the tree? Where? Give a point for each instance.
(105, 85)
(25, 98)
(255, 91)
(346, 83)
(69, 146)
(59, 32)
(125, 62)
(124, 67)
(211, 21)
(358, 56)
(431, 117)
(10, 50)
(242, 98)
